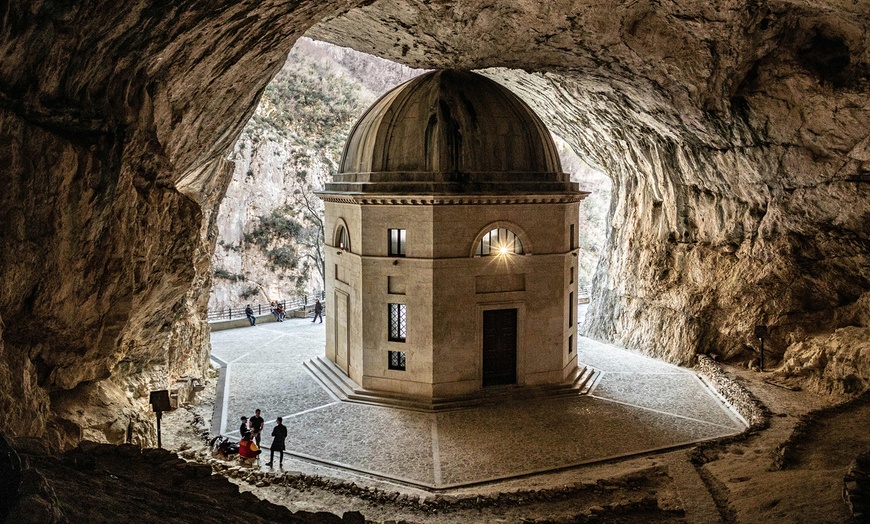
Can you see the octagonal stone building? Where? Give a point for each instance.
(451, 245)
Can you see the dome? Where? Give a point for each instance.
(450, 131)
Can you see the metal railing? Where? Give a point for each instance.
(289, 304)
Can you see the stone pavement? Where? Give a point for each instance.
(638, 405)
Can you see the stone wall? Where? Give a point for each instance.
(735, 133)
(114, 124)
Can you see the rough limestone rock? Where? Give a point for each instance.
(114, 125)
(99, 483)
(736, 135)
(737, 139)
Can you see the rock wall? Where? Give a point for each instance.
(277, 156)
(114, 125)
(737, 139)
(735, 134)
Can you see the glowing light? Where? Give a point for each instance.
(503, 250)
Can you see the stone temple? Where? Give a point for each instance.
(452, 235)
(735, 135)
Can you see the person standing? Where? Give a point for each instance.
(318, 309)
(243, 429)
(250, 314)
(279, 433)
(256, 423)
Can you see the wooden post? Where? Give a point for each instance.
(159, 416)
(761, 334)
(159, 401)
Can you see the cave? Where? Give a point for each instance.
(735, 136)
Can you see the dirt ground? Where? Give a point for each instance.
(738, 475)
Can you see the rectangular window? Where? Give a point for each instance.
(397, 360)
(570, 344)
(397, 242)
(573, 238)
(571, 309)
(397, 322)
(572, 276)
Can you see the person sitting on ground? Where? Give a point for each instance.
(248, 449)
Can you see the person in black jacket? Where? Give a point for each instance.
(318, 308)
(243, 429)
(249, 312)
(279, 433)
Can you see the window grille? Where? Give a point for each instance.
(397, 239)
(398, 325)
(396, 360)
(499, 241)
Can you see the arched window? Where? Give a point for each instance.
(342, 239)
(499, 241)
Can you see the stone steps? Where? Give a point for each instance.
(333, 378)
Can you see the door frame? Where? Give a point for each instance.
(520, 306)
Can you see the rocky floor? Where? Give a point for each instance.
(736, 481)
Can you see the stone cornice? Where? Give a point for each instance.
(447, 200)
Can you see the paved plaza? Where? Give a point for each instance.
(638, 405)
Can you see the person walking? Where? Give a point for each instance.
(250, 314)
(318, 309)
(279, 433)
(256, 423)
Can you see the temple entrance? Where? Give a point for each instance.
(499, 347)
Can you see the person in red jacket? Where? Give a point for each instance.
(248, 448)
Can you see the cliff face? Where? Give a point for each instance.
(735, 134)
(737, 139)
(114, 126)
(285, 153)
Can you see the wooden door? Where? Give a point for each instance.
(499, 347)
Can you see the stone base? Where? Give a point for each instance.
(579, 382)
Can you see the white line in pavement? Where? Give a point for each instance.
(677, 415)
(313, 409)
(282, 335)
(226, 401)
(436, 452)
(681, 373)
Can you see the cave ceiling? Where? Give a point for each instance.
(735, 133)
